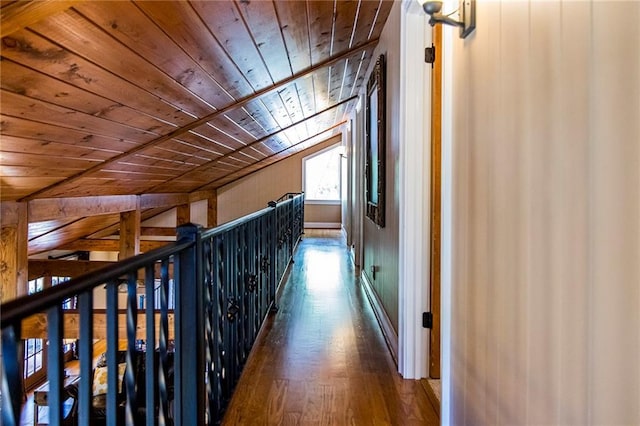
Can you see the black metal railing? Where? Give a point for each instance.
(224, 282)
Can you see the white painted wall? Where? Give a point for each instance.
(198, 214)
(253, 192)
(543, 278)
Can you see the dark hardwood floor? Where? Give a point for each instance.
(322, 360)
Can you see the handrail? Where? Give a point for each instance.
(224, 281)
(288, 196)
(225, 227)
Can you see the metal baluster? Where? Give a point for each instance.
(264, 278)
(242, 297)
(163, 413)
(219, 321)
(227, 338)
(85, 351)
(237, 324)
(12, 387)
(209, 280)
(130, 371)
(230, 344)
(272, 233)
(250, 255)
(150, 344)
(55, 364)
(112, 353)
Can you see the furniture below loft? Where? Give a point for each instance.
(99, 399)
(41, 397)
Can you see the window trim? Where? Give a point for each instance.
(324, 202)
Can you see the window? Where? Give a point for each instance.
(68, 345)
(34, 354)
(321, 176)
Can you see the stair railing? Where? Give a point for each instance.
(225, 283)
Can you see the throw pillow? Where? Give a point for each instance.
(100, 379)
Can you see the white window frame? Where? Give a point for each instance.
(322, 202)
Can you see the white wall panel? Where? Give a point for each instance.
(545, 272)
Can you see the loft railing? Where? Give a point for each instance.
(225, 282)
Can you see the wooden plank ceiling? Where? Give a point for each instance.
(104, 98)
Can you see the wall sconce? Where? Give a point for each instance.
(466, 11)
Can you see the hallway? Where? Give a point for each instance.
(322, 360)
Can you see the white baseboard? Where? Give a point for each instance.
(322, 225)
(388, 331)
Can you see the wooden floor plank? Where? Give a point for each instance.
(322, 360)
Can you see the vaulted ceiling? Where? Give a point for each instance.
(107, 98)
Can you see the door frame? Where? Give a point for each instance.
(436, 204)
(414, 192)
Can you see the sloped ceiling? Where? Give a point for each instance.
(107, 98)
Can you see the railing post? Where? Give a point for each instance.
(189, 333)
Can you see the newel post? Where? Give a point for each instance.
(189, 330)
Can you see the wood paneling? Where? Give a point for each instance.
(129, 25)
(181, 22)
(69, 231)
(19, 14)
(126, 98)
(36, 52)
(224, 21)
(72, 29)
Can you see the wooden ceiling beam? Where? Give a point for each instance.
(153, 231)
(152, 201)
(108, 245)
(202, 195)
(63, 268)
(55, 208)
(129, 233)
(203, 120)
(74, 268)
(10, 213)
(21, 14)
(64, 207)
(35, 326)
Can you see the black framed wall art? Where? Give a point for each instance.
(375, 144)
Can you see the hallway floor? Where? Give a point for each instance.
(322, 360)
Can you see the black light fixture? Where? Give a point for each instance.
(466, 12)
